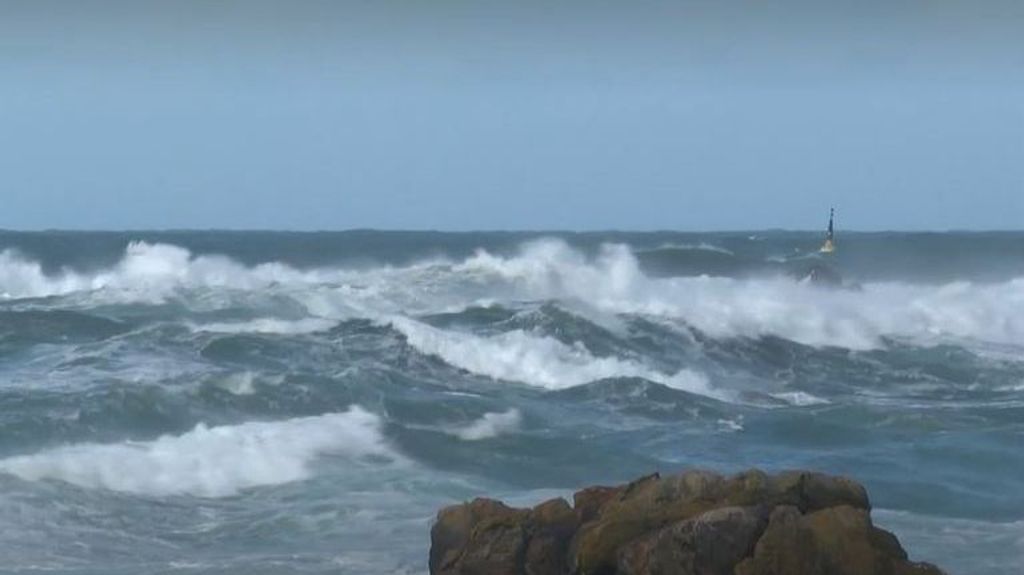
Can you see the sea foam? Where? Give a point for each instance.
(209, 461)
(540, 361)
(490, 425)
(610, 283)
(729, 307)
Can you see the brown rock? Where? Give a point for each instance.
(483, 536)
(694, 523)
(834, 541)
(710, 544)
(785, 548)
(653, 502)
(821, 491)
(588, 502)
(644, 506)
(844, 540)
(550, 527)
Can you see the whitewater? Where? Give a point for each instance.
(227, 402)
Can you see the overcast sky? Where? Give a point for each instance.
(451, 114)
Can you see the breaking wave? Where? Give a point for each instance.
(727, 307)
(539, 361)
(208, 461)
(611, 282)
(147, 271)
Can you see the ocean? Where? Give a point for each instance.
(266, 402)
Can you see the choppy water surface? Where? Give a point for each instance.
(268, 403)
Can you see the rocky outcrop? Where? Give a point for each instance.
(697, 522)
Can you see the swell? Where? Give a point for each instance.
(524, 365)
(611, 282)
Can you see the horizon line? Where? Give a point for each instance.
(501, 230)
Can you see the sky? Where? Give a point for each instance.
(469, 115)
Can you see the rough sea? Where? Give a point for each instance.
(271, 403)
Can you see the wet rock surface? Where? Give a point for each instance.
(696, 522)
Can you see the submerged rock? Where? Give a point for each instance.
(696, 522)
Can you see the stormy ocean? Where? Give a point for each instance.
(256, 402)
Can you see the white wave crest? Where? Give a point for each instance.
(540, 361)
(732, 424)
(490, 425)
(146, 272)
(726, 307)
(800, 398)
(610, 283)
(697, 247)
(270, 325)
(21, 278)
(208, 461)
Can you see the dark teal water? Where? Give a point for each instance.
(245, 402)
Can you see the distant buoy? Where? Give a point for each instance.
(830, 244)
